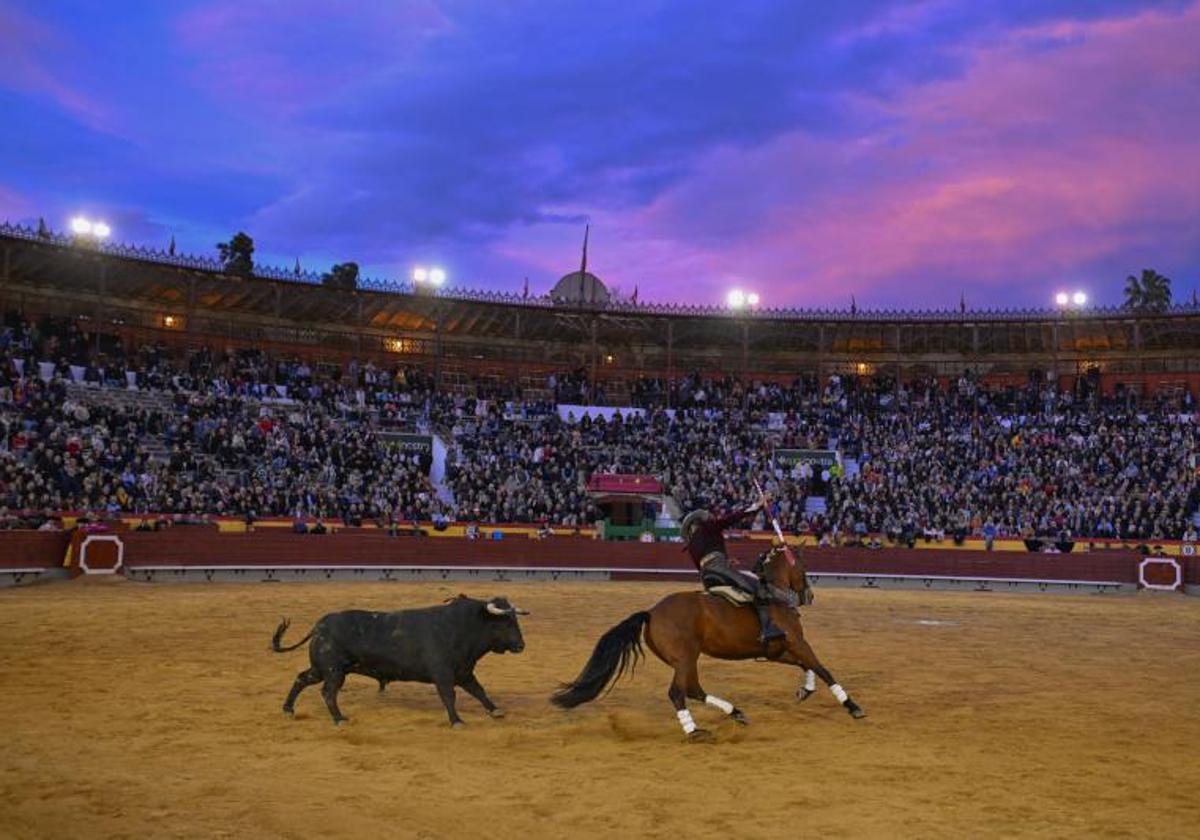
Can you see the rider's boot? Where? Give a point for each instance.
(769, 631)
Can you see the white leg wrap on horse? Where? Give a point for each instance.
(685, 720)
(724, 705)
(810, 681)
(839, 693)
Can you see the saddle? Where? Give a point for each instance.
(735, 595)
(744, 597)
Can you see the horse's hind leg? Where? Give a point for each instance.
(685, 683)
(800, 653)
(695, 692)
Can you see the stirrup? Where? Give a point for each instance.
(770, 633)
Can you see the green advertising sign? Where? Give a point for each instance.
(823, 458)
(408, 441)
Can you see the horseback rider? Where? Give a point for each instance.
(704, 539)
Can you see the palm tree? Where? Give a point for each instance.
(1156, 289)
(1152, 291)
(1133, 293)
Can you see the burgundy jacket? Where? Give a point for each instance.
(709, 536)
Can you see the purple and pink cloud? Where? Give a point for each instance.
(905, 153)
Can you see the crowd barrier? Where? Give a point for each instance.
(205, 553)
(26, 556)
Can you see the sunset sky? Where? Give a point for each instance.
(905, 153)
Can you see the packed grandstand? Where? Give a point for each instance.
(130, 385)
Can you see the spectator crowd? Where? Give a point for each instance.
(248, 434)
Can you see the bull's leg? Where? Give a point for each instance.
(472, 687)
(800, 653)
(382, 684)
(307, 677)
(333, 684)
(445, 690)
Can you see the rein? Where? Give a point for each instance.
(784, 594)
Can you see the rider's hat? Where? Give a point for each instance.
(688, 526)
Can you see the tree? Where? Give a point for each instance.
(237, 255)
(341, 276)
(1151, 291)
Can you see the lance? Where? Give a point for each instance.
(787, 549)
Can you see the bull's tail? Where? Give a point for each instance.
(617, 651)
(278, 637)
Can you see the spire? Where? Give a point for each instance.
(297, 270)
(853, 305)
(633, 297)
(583, 265)
(525, 294)
(171, 247)
(962, 302)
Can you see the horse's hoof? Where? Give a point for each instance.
(340, 721)
(496, 713)
(856, 712)
(740, 717)
(458, 724)
(700, 736)
(803, 694)
(289, 712)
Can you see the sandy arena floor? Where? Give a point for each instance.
(134, 710)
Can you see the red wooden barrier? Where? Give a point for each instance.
(33, 549)
(203, 546)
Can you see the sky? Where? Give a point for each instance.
(906, 154)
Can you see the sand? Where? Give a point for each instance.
(142, 710)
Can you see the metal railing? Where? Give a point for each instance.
(404, 287)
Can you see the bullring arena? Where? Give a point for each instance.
(192, 456)
(149, 709)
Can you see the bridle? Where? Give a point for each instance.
(764, 568)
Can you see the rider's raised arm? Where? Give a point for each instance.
(734, 517)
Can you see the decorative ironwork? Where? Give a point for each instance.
(404, 287)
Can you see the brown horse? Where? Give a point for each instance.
(684, 625)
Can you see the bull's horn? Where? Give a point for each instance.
(494, 610)
(520, 611)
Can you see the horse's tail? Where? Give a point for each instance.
(278, 637)
(617, 651)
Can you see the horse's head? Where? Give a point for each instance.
(774, 568)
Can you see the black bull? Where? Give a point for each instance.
(438, 645)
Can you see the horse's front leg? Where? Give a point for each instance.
(809, 687)
(799, 652)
